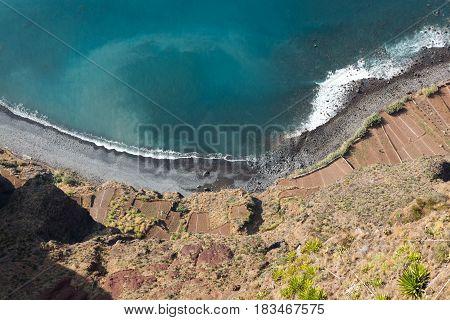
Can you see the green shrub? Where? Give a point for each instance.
(382, 297)
(359, 134)
(398, 105)
(441, 253)
(414, 257)
(367, 267)
(143, 197)
(297, 276)
(312, 293)
(277, 274)
(9, 164)
(69, 180)
(371, 121)
(312, 246)
(414, 281)
(301, 287)
(429, 91)
(290, 257)
(402, 250)
(394, 108)
(416, 213)
(376, 282)
(295, 285)
(407, 98)
(59, 177)
(355, 294)
(413, 213)
(262, 294)
(181, 208)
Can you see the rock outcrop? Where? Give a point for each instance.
(347, 230)
(39, 210)
(6, 190)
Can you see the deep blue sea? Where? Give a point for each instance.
(109, 71)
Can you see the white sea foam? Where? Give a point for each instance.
(333, 91)
(22, 112)
(330, 98)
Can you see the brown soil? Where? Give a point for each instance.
(386, 200)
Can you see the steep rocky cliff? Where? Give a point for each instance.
(356, 226)
(349, 240)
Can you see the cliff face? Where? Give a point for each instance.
(6, 190)
(349, 240)
(43, 212)
(348, 230)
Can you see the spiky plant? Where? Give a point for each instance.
(312, 293)
(414, 281)
(312, 246)
(382, 296)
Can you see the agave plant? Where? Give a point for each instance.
(382, 296)
(414, 281)
(312, 293)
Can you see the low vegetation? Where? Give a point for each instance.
(414, 280)
(312, 246)
(297, 279)
(181, 208)
(146, 197)
(398, 105)
(441, 253)
(127, 221)
(8, 164)
(382, 296)
(430, 91)
(65, 178)
(372, 121)
(376, 282)
(417, 210)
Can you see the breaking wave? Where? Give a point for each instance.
(331, 96)
(393, 60)
(22, 112)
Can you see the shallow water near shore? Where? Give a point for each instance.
(105, 71)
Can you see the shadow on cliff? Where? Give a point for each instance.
(38, 220)
(444, 171)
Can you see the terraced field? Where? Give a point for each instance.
(421, 129)
(157, 210)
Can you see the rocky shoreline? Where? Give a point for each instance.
(371, 95)
(60, 150)
(356, 223)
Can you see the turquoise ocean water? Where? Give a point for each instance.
(100, 69)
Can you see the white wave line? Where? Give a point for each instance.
(333, 92)
(20, 111)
